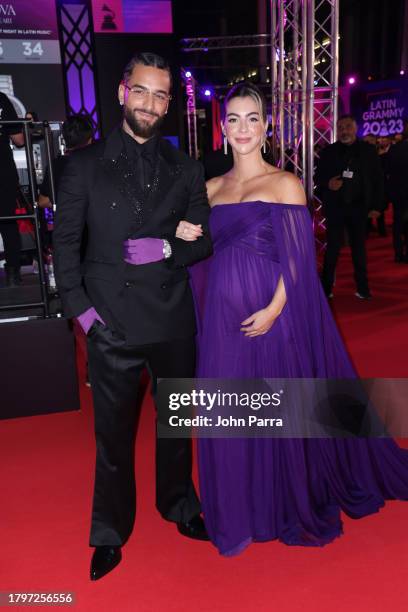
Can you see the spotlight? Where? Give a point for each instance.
(207, 92)
(351, 80)
(188, 74)
(402, 72)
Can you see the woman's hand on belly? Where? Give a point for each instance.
(260, 322)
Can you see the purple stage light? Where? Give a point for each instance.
(351, 80)
(207, 92)
(188, 74)
(402, 72)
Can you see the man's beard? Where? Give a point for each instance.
(142, 128)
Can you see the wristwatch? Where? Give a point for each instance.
(166, 249)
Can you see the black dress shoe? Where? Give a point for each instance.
(104, 560)
(363, 295)
(194, 528)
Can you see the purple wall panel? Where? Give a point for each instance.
(75, 24)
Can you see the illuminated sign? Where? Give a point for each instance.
(132, 16)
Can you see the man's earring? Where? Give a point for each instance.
(225, 145)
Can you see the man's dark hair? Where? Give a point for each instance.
(33, 114)
(146, 59)
(77, 130)
(346, 116)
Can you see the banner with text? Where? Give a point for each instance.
(29, 32)
(380, 108)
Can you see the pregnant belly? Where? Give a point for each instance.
(239, 285)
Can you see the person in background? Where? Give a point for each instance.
(31, 116)
(349, 181)
(36, 131)
(370, 139)
(8, 190)
(384, 144)
(398, 186)
(78, 133)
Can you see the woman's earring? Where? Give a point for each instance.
(225, 145)
(264, 147)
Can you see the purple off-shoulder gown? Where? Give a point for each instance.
(254, 490)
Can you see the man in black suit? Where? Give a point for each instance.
(350, 183)
(132, 296)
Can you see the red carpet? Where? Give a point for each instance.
(47, 471)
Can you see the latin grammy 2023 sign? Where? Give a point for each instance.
(380, 108)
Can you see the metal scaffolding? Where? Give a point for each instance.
(303, 41)
(190, 85)
(304, 76)
(213, 43)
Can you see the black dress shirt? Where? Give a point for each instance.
(143, 155)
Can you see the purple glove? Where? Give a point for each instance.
(143, 250)
(87, 318)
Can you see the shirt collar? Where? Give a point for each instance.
(134, 148)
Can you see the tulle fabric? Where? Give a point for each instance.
(286, 489)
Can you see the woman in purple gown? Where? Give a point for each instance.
(264, 314)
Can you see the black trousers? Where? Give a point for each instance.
(115, 370)
(400, 227)
(380, 225)
(355, 224)
(9, 229)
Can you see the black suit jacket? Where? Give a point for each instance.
(145, 303)
(397, 166)
(330, 164)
